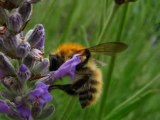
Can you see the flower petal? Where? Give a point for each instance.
(68, 68)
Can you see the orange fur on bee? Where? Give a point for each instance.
(68, 47)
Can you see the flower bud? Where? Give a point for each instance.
(16, 2)
(10, 42)
(36, 35)
(7, 4)
(2, 48)
(2, 74)
(29, 61)
(2, 16)
(23, 73)
(6, 65)
(23, 49)
(42, 67)
(14, 22)
(40, 44)
(37, 54)
(25, 11)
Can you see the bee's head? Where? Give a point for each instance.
(55, 62)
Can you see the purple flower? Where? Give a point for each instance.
(68, 68)
(23, 49)
(40, 95)
(24, 112)
(36, 35)
(4, 108)
(23, 73)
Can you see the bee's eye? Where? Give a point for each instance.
(55, 62)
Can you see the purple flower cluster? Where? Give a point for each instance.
(22, 63)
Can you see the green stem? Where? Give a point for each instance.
(85, 36)
(111, 68)
(70, 21)
(108, 22)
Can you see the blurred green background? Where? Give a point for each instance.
(131, 89)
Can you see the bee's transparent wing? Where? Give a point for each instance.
(100, 63)
(109, 48)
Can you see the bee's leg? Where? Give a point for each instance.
(88, 55)
(66, 88)
(71, 89)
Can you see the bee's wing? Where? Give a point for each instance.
(99, 63)
(109, 48)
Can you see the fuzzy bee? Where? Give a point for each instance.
(87, 84)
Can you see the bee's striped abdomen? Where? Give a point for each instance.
(87, 96)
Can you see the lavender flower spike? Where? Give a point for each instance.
(36, 35)
(23, 73)
(40, 95)
(68, 68)
(4, 108)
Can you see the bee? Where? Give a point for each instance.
(87, 84)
